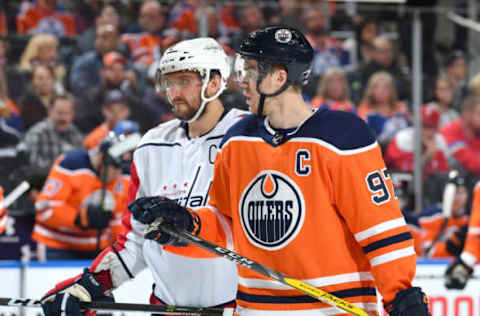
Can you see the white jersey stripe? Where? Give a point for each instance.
(70, 239)
(225, 226)
(380, 228)
(393, 255)
(474, 230)
(317, 282)
(468, 258)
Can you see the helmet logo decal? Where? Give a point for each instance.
(283, 36)
(272, 210)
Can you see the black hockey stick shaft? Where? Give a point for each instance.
(112, 306)
(257, 267)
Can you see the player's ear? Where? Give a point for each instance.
(280, 77)
(214, 84)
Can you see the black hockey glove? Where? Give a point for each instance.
(65, 298)
(148, 209)
(93, 217)
(457, 274)
(456, 241)
(409, 302)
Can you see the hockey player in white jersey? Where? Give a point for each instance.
(174, 160)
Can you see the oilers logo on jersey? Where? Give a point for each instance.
(272, 210)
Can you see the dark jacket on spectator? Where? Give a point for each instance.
(32, 109)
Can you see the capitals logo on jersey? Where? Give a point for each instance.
(272, 210)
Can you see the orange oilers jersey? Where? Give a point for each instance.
(37, 20)
(96, 136)
(71, 185)
(3, 214)
(145, 47)
(471, 250)
(431, 220)
(316, 204)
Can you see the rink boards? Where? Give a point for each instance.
(34, 279)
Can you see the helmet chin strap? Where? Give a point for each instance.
(263, 96)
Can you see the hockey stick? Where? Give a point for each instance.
(14, 194)
(110, 306)
(257, 267)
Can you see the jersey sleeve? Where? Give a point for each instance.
(216, 218)
(363, 195)
(124, 259)
(52, 205)
(471, 251)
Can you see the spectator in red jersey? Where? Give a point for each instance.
(333, 92)
(443, 97)
(399, 154)
(463, 137)
(44, 16)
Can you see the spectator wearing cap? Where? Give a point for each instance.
(456, 69)
(114, 76)
(85, 72)
(115, 109)
(463, 137)
(44, 16)
(442, 99)
(400, 152)
(54, 135)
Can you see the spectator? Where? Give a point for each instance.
(115, 76)
(12, 82)
(182, 17)
(3, 23)
(383, 59)
(108, 15)
(147, 44)
(445, 239)
(84, 197)
(85, 72)
(327, 51)
(463, 137)
(456, 71)
(381, 109)
(114, 109)
(249, 19)
(333, 92)
(360, 47)
(84, 14)
(44, 16)
(43, 49)
(53, 136)
(38, 98)
(400, 152)
(9, 113)
(443, 97)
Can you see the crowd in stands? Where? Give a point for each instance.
(71, 71)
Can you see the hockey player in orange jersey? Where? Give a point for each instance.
(461, 269)
(304, 193)
(81, 204)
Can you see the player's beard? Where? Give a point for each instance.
(183, 109)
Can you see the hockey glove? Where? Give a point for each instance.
(147, 209)
(409, 302)
(456, 241)
(457, 275)
(93, 217)
(65, 298)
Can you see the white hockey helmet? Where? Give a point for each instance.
(202, 55)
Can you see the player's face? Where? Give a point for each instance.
(183, 90)
(248, 83)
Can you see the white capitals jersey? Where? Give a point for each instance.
(168, 163)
